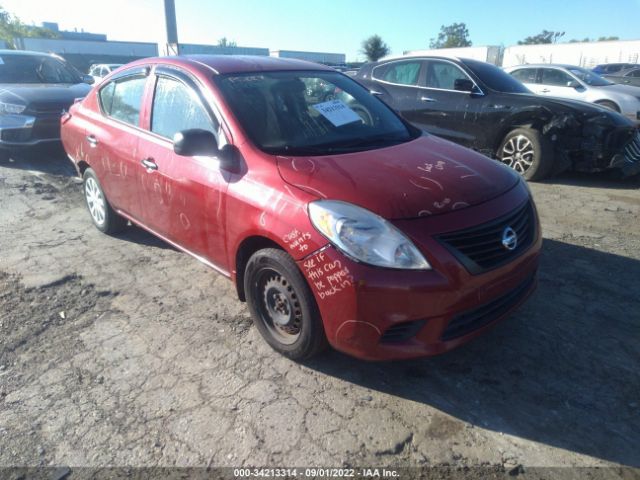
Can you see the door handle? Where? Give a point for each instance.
(375, 92)
(545, 90)
(149, 163)
(93, 141)
(427, 99)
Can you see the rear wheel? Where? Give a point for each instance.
(527, 152)
(282, 305)
(104, 217)
(609, 105)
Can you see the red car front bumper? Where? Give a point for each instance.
(382, 314)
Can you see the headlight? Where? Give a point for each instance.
(11, 108)
(365, 236)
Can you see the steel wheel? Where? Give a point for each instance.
(280, 307)
(518, 153)
(95, 201)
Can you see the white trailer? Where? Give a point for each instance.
(489, 54)
(588, 54)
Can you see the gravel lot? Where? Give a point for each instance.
(123, 351)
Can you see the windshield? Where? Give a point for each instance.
(35, 69)
(588, 77)
(310, 113)
(495, 78)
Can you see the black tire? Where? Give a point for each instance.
(608, 104)
(527, 152)
(102, 214)
(282, 305)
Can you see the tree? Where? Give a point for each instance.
(223, 42)
(451, 36)
(11, 27)
(600, 39)
(374, 48)
(545, 36)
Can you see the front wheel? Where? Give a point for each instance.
(527, 152)
(282, 305)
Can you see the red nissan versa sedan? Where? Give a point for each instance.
(337, 220)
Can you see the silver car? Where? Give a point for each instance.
(99, 71)
(577, 83)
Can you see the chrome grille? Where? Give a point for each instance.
(481, 248)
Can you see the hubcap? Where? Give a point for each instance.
(518, 153)
(280, 307)
(95, 201)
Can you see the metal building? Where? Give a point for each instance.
(318, 57)
(191, 48)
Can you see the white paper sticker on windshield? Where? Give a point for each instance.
(337, 112)
(1, 61)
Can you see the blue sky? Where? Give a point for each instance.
(337, 26)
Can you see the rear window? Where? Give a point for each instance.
(401, 73)
(122, 99)
(525, 75)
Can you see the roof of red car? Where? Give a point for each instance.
(247, 63)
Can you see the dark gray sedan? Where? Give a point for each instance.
(628, 76)
(35, 88)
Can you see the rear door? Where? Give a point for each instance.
(183, 197)
(396, 83)
(529, 77)
(112, 139)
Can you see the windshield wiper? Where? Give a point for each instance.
(381, 140)
(328, 148)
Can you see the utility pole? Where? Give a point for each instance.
(171, 45)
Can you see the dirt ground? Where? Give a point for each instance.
(121, 351)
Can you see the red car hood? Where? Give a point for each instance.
(426, 176)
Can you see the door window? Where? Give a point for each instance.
(122, 99)
(402, 73)
(177, 107)
(443, 75)
(525, 75)
(551, 76)
(634, 73)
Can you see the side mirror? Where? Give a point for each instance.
(573, 84)
(88, 79)
(195, 141)
(463, 85)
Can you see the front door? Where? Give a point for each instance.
(443, 110)
(183, 197)
(555, 83)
